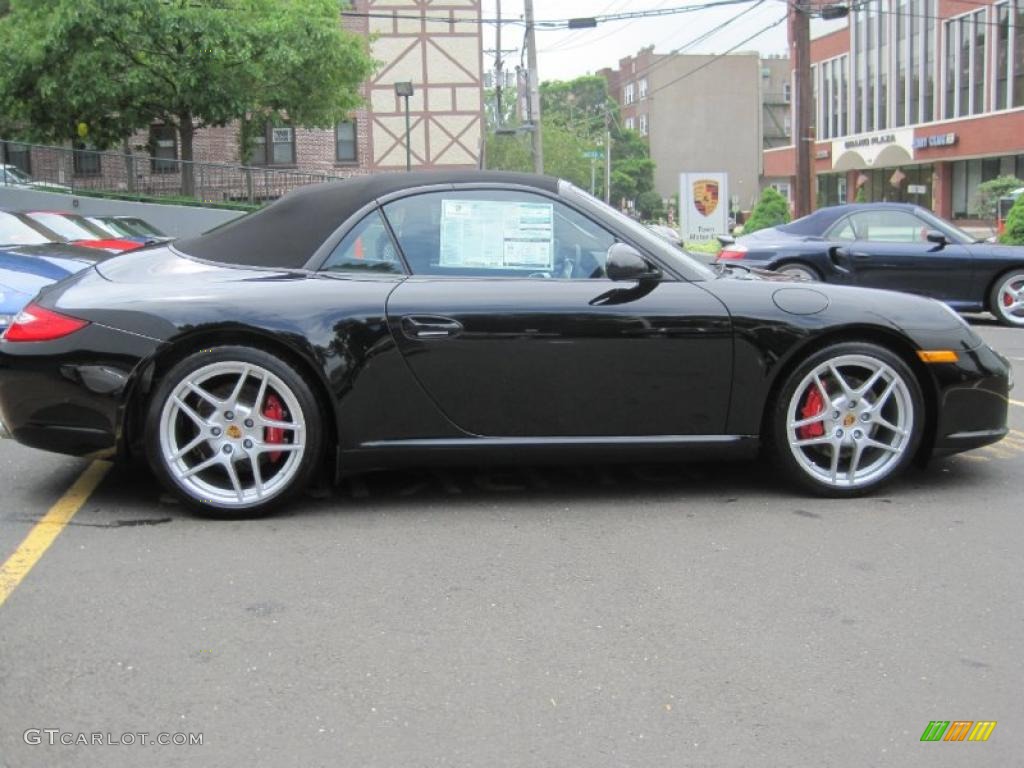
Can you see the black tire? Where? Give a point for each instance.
(1010, 281)
(280, 461)
(798, 268)
(870, 454)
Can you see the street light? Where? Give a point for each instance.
(405, 90)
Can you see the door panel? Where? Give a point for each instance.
(535, 357)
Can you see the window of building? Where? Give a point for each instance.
(367, 248)
(630, 124)
(85, 161)
(275, 146)
(497, 233)
(787, 125)
(1003, 58)
(831, 97)
(629, 93)
(345, 142)
(643, 125)
(163, 149)
(787, 92)
(965, 71)
(1018, 54)
(643, 88)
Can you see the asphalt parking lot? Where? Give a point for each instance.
(623, 616)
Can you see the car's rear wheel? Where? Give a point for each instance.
(846, 420)
(233, 431)
(1007, 299)
(801, 271)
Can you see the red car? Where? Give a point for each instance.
(72, 228)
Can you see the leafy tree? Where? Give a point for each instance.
(1014, 232)
(650, 206)
(987, 196)
(771, 210)
(120, 65)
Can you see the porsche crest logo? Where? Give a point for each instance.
(705, 196)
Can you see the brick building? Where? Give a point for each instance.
(916, 101)
(436, 45)
(704, 113)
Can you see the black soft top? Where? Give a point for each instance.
(287, 233)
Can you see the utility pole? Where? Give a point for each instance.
(803, 137)
(497, 67)
(607, 156)
(533, 89)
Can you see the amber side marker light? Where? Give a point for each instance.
(937, 356)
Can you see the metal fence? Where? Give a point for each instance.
(142, 175)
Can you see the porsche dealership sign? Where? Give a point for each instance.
(703, 205)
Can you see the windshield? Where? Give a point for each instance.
(16, 176)
(951, 230)
(661, 248)
(15, 232)
(69, 228)
(108, 227)
(139, 227)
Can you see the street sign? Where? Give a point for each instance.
(916, 189)
(593, 154)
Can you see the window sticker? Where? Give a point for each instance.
(489, 234)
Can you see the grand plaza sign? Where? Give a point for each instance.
(871, 150)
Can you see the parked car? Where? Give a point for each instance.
(129, 228)
(27, 269)
(897, 246)
(478, 317)
(12, 176)
(72, 228)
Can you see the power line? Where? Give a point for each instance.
(715, 58)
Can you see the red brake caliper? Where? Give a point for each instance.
(273, 408)
(814, 404)
(1007, 299)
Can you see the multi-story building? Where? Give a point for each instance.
(704, 113)
(434, 44)
(916, 101)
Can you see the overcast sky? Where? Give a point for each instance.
(564, 54)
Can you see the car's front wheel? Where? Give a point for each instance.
(1007, 299)
(846, 420)
(233, 431)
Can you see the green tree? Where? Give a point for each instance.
(650, 206)
(121, 65)
(771, 210)
(1014, 232)
(987, 196)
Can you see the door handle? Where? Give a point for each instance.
(430, 327)
(860, 256)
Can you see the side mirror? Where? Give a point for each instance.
(624, 262)
(934, 236)
(840, 258)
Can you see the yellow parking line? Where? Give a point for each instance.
(48, 528)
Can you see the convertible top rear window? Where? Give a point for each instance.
(288, 232)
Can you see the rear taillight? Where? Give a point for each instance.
(34, 323)
(732, 252)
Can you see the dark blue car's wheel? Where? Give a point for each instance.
(1007, 299)
(801, 271)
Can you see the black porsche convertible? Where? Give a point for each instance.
(477, 317)
(897, 246)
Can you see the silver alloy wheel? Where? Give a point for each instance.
(860, 422)
(217, 443)
(1010, 299)
(796, 270)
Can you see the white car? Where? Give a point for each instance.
(13, 176)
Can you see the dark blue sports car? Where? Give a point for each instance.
(897, 246)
